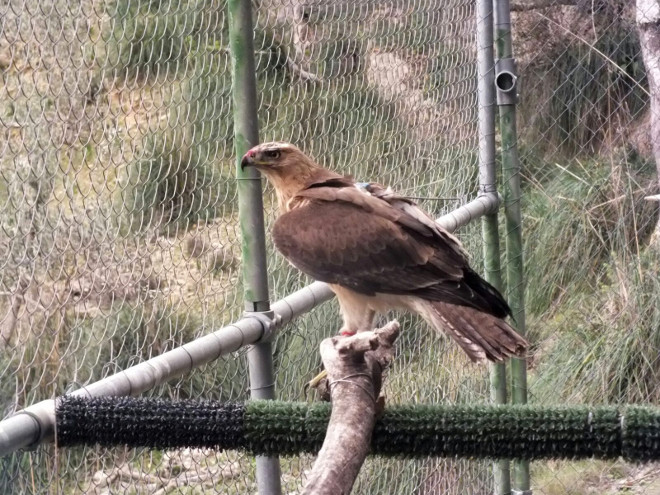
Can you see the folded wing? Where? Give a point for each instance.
(372, 244)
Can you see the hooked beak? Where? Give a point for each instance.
(247, 160)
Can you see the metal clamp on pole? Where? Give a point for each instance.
(269, 322)
(521, 492)
(506, 81)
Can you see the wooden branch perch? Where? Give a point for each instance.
(355, 366)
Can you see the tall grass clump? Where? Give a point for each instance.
(592, 282)
(607, 352)
(577, 219)
(177, 177)
(185, 174)
(170, 185)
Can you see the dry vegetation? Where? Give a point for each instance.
(118, 223)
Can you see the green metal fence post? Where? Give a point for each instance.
(250, 204)
(507, 95)
(488, 184)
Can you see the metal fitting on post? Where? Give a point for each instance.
(485, 189)
(521, 492)
(506, 81)
(269, 322)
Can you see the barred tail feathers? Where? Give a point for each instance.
(482, 336)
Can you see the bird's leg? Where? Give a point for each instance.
(316, 381)
(364, 323)
(358, 317)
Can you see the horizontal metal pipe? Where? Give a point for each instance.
(483, 205)
(16, 432)
(35, 424)
(20, 431)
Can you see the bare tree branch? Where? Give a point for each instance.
(303, 74)
(527, 5)
(8, 323)
(355, 365)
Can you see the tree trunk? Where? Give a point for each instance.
(648, 23)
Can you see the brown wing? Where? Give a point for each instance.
(343, 236)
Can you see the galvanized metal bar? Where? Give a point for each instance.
(23, 430)
(16, 432)
(250, 203)
(486, 97)
(507, 97)
(34, 424)
(251, 218)
(498, 389)
(483, 205)
(488, 184)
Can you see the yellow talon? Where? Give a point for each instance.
(316, 381)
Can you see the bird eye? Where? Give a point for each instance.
(274, 154)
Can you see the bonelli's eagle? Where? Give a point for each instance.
(379, 251)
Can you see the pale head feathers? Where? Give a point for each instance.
(287, 168)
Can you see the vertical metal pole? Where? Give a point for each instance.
(251, 218)
(506, 85)
(488, 184)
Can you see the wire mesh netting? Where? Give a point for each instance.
(119, 231)
(119, 216)
(591, 264)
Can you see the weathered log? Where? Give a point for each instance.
(355, 365)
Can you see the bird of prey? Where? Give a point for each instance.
(378, 251)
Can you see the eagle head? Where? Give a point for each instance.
(287, 168)
(277, 158)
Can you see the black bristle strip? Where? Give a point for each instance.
(110, 421)
(640, 433)
(501, 432)
(273, 427)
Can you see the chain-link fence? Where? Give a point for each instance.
(591, 264)
(119, 218)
